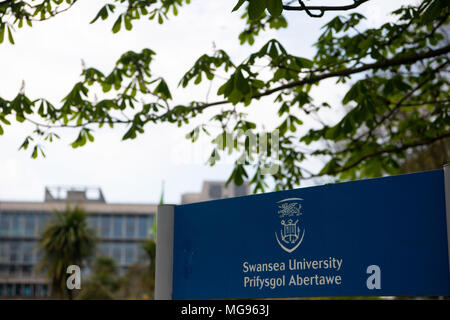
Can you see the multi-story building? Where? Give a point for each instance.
(212, 190)
(120, 230)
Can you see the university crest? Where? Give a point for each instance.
(290, 233)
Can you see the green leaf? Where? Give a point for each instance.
(128, 24)
(4, 120)
(304, 63)
(34, 155)
(103, 13)
(275, 7)
(434, 10)
(130, 134)
(10, 36)
(163, 90)
(19, 118)
(238, 5)
(238, 174)
(198, 79)
(241, 83)
(331, 167)
(2, 32)
(89, 136)
(256, 8)
(26, 143)
(117, 25)
(354, 93)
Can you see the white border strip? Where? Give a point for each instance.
(164, 252)
(447, 205)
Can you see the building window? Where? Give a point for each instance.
(27, 290)
(17, 288)
(130, 256)
(16, 226)
(42, 221)
(117, 253)
(105, 226)
(3, 270)
(29, 225)
(27, 271)
(143, 227)
(130, 223)
(118, 227)
(14, 251)
(4, 224)
(13, 270)
(215, 191)
(39, 254)
(4, 251)
(9, 290)
(28, 251)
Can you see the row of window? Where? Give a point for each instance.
(19, 271)
(105, 226)
(117, 226)
(20, 224)
(123, 253)
(19, 252)
(26, 252)
(23, 290)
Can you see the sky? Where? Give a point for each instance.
(47, 57)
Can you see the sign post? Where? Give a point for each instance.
(164, 252)
(376, 237)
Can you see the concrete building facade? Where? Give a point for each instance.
(213, 190)
(119, 228)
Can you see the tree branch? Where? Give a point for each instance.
(399, 104)
(386, 150)
(341, 73)
(346, 72)
(314, 79)
(322, 9)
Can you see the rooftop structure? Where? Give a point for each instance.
(212, 190)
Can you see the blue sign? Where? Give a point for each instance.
(376, 237)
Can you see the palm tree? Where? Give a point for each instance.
(65, 241)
